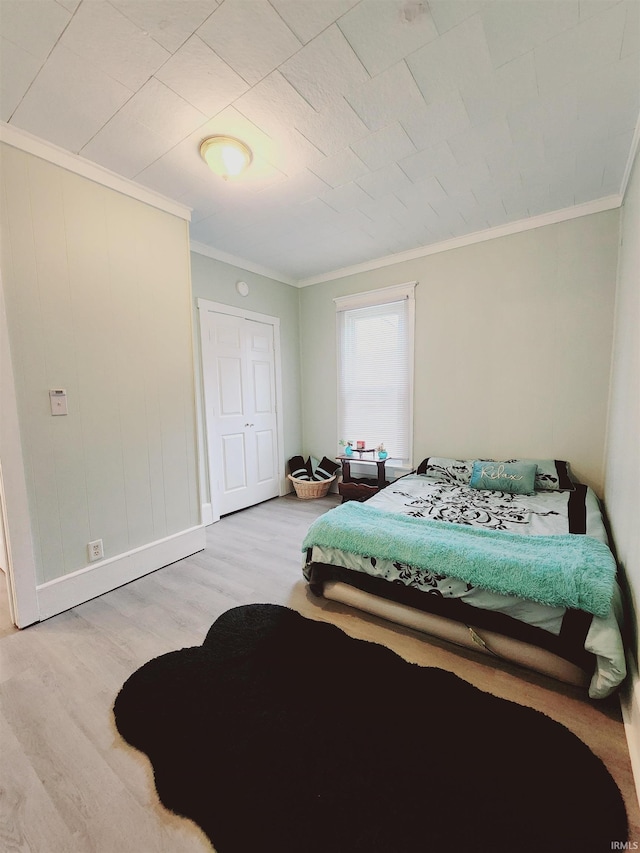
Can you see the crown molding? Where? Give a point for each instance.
(24, 141)
(597, 206)
(248, 266)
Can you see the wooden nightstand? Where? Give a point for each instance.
(360, 488)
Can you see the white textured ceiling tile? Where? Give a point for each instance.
(614, 172)
(456, 181)
(609, 154)
(35, 25)
(163, 180)
(169, 22)
(588, 8)
(341, 168)
(292, 153)
(333, 129)
(537, 200)
(387, 97)
(142, 148)
(250, 36)
(592, 45)
(345, 197)
(199, 76)
(202, 203)
(417, 221)
(471, 212)
(176, 173)
(273, 104)
(349, 219)
(384, 146)
(69, 5)
(314, 212)
(562, 143)
(102, 35)
(163, 111)
(610, 98)
(561, 193)
(384, 206)
(554, 115)
(515, 205)
(452, 220)
(433, 123)
(325, 69)
(301, 187)
(516, 27)
(590, 166)
(631, 39)
(426, 163)
(448, 15)
(495, 213)
(493, 137)
(531, 154)
(307, 20)
(17, 71)
(385, 181)
(384, 33)
(69, 101)
(490, 193)
(457, 59)
(508, 87)
(385, 231)
(421, 194)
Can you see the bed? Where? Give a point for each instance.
(509, 558)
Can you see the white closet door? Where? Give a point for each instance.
(241, 415)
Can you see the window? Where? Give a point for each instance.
(375, 368)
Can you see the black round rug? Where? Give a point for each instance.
(283, 734)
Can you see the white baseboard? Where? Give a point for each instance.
(630, 704)
(70, 590)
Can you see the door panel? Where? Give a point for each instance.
(234, 464)
(262, 402)
(265, 455)
(242, 422)
(230, 386)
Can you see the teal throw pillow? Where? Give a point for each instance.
(517, 478)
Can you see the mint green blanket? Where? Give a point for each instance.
(569, 570)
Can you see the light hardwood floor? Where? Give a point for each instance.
(69, 784)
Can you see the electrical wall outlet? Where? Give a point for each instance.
(95, 549)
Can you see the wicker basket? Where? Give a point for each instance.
(306, 490)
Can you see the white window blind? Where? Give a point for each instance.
(375, 369)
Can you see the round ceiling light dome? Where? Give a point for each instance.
(226, 156)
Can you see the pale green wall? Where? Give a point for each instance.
(622, 487)
(513, 346)
(216, 281)
(98, 302)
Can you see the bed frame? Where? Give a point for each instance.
(482, 640)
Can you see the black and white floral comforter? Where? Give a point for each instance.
(541, 513)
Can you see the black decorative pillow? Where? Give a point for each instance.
(299, 469)
(325, 469)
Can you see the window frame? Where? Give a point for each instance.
(368, 299)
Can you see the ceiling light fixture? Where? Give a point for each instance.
(226, 156)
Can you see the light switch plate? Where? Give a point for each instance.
(58, 400)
